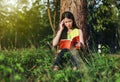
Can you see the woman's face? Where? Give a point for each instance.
(68, 23)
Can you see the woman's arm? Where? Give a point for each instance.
(81, 42)
(58, 35)
(81, 37)
(57, 38)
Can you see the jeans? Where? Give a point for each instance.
(64, 56)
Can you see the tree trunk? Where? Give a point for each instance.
(79, 10)
(52, 15)
(49, 16)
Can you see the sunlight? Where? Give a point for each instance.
(10, 2)
(9, 5)
(16, 5)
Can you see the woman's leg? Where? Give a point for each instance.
(60, 58)
(74, 59)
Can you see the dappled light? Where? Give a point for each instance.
(10, 2)
(13, 5)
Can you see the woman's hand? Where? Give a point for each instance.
(78, 45)
(61, 25)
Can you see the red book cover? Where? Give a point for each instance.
(66, 43)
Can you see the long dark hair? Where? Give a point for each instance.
(68, 15)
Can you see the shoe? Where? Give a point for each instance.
(55, 68)
(75, 68)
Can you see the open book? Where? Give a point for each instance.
(66, 43)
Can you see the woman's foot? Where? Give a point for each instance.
(55, 68)
(75, 68)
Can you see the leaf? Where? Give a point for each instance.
(117, 80)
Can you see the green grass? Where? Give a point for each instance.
(35, 65)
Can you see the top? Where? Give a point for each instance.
(73, 33)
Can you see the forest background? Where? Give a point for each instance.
(26, 23)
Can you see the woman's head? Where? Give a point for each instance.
(68, 19)
(69, 22)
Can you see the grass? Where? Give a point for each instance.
(35, 65)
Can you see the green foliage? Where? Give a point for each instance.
(20, 64)
(36, 65)
(103, 15)
(105, 68)
(104, 23)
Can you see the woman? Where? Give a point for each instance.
(67, 30)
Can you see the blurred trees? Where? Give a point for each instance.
(23, 25)
(103, 21)
(27, 23)
(53, 11)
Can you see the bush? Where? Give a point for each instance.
(36, 65)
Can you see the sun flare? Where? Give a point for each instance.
(10, 2)
(13, 5)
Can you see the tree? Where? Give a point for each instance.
(53, 13)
